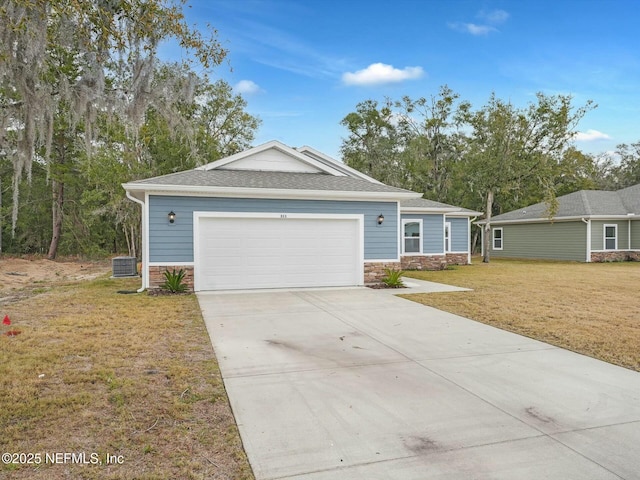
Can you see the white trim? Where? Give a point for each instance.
(426, 211)
(617, 250)
(274, 145)
(604, 237)
(629, 234)
(421, 237)
(588, 222)
(284, 193)
(399, 239)
(389, 260)
(467, 214)
(447, 238)
(171, 264)
(558, 219)
(469, 240)
(493, 238)
(312, 152)
(197, 215)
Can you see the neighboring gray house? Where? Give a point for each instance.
(589, 226)
(275, 217)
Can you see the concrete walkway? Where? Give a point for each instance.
(360, 384)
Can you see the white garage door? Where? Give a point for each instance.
(281, 251)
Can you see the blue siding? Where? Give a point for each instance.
(459, 234)
(433, 232)
(173, 243)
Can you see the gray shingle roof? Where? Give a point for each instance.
(584, 203)
(423, 203)
(267, 180)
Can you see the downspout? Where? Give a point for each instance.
(588, 223)
(469, 222)
(142, 242)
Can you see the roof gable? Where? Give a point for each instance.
(333, 163)
(274, 157)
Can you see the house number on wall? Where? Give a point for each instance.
(283, 215)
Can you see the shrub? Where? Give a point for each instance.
(174, 281)
(392, 278)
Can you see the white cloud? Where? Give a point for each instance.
(246, 87)
(591, 135)
(489, 20)
(471, 28)
(494, 17)
(380, 73)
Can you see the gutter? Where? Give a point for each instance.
(143, 274)
(556, 219)
(256, 192)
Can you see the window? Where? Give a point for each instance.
(497, 238)
(447, 236)
(411, 236)
(611, 237)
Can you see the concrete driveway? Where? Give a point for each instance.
(360, 384)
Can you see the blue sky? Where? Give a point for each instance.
(302, 66)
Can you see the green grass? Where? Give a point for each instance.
(590, 308)
(131, 375)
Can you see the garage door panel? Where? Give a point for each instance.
(252, 252)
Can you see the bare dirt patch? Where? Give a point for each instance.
(23, 277)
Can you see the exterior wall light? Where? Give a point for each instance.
(380, 219)
(172, 216)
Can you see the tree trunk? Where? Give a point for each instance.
(487, 228)
(474, 242)
(57, 214)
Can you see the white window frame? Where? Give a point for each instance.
(447, 237)
(420, 237)
(604, 236)
(493, 238)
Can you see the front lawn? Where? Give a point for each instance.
(125, 386)
(592, 309)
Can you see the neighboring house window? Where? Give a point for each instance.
(611, 237)
(447, 236)
(497, 238)
(412, 236)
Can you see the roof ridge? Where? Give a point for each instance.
(585, 201)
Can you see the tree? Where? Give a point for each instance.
(510, 148)
(627, 173)
(211, 125)
(88, 56)
(374, 143)
(431, 140)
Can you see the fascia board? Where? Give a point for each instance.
(426, 210)
(267, 192)
(465, 214)
(558, 219)
(450, 212)
(137, 194)
(338, 165)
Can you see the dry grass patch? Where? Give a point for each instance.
(95, 371)
(592, 308)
